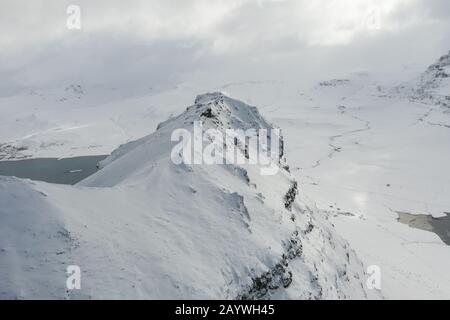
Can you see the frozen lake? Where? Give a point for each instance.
(440, 226)
(61, 171)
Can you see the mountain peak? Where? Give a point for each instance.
(434, 83)
(209, 97)
(438, 69)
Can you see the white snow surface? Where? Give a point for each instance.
(143, 227)
(361, 148)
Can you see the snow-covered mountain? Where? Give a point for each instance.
(433, 85)
(362, 148)
(77, 120)
(145, 227)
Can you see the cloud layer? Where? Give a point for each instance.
(163, 41)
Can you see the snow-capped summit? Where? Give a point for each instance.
(214, 111)
(439, 69)
(223, 112)
(146, 227)
(434, 83)
(209, 97)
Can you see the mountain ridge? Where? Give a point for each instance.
(143, 227)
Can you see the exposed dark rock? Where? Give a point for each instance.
(208, 113)
(277, 277)
(289, 198)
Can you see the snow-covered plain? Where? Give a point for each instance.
(361, 148)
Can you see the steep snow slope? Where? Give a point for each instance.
(144, 227)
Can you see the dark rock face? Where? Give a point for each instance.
(437, 76)
(8, 151)
(277, 277)
(334, 82)
(289, 198)
(207, 113)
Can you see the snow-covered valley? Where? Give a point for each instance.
(362, 149)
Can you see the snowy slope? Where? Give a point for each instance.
(76, 120)
(362, 148)
(144, 227)
(364, 155)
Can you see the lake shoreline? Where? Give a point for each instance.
(53, 170)
(440, 226)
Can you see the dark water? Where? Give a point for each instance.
(63, 171)
(440, 226)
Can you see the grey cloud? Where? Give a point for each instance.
(161, 42)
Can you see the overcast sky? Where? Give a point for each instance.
(168, 41)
